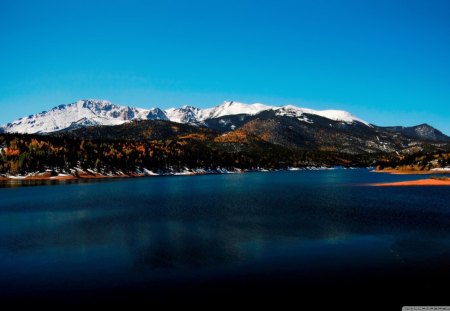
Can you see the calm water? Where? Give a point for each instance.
(257, 233)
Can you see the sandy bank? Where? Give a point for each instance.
(411, 172)
(420, 182)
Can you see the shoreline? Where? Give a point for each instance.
(90, 175)
(64, 177)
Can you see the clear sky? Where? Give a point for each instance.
(387, 62)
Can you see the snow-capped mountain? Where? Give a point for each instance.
(185, 114)
(300, 113)
(101, 112)
(234, 108)
(156, 114)
(80, 113)
(189, 114)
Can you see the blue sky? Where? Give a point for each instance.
(385, 61)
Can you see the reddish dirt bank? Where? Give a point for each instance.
(420, 182)
(409, 172)
(68, 177)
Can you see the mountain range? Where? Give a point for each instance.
(287, 126)
(101, 112)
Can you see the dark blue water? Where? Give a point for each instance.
(248, 235)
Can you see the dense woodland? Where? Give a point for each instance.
(22, 153)
(420, 161)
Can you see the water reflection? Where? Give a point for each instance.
(178, 244)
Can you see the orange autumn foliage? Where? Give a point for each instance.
(235, 136)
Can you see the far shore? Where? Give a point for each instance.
(82, 175)
(90, 174)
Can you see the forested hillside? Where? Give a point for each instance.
(21, 154)
(165, 146)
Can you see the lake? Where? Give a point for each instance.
(261, 237)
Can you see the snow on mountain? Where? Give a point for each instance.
(293, 112)
(156, 114)
(336, 115)
(101, 112)
(185, 114)
(189, 114)
(233, 108)
(82, 112)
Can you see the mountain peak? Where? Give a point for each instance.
(84, 111)
(336, 115)
(234, 108)
(424, 125)
(95, 104)
(94, 101)
(185, 114)
(84, 103)
(427, 131)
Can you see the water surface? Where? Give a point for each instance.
(255, 233)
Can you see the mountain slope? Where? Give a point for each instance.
(139, 130)
(318, 133)
(335, 115)
(314, 132)
(422, 131)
